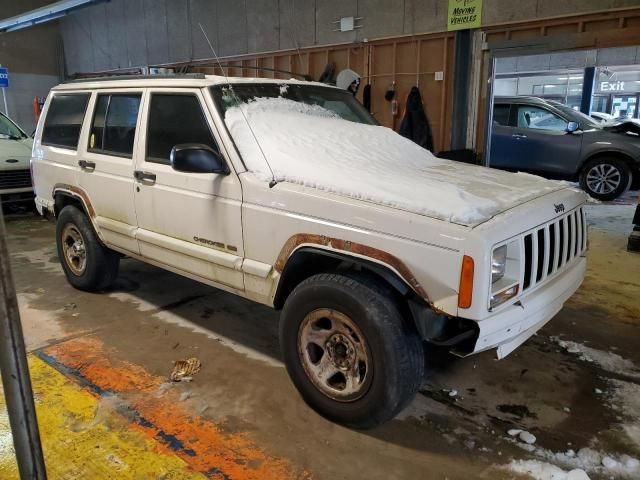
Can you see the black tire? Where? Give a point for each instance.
(618, 172)
(100, 264)
(396, 350)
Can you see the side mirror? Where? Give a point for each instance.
(572, 127)
(197, 158)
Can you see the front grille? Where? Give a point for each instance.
(15, 179)
(553, 246)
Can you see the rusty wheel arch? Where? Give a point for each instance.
(75, 193)
(371, 258)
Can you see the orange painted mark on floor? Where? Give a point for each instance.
(203, 444)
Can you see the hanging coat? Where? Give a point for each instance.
(415, 124)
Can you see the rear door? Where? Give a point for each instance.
(503, 144)
(188, 221)
(106, 161)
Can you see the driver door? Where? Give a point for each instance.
(542, 143)
(189, 222)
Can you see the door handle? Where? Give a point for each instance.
(86, 165)
(516, 135)
(142, 176)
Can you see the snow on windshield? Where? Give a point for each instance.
(312, 146)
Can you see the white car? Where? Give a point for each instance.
(601, 117)
(290, 194)
(15, 155)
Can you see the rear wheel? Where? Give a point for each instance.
(348, 350)
(87, 263)
(605, 178)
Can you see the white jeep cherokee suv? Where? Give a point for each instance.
(289, 193)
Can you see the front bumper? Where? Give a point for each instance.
(510, 328)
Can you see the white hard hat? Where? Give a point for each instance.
(346, 78)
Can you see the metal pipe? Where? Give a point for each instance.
(15, 375)
(49, 12)
(588, 85)
(461, 82)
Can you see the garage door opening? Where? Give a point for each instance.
(569, 116)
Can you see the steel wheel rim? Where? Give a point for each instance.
(335, 355)
(604, 178)
(74, 249)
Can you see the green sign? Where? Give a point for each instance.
(464, 14)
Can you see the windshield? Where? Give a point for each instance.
(8, 129)
(576, 116)
(340, 102)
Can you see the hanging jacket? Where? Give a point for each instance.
(366, 97)
(415, 124)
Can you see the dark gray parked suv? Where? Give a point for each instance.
(551, 139)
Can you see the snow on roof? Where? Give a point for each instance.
(311, 146)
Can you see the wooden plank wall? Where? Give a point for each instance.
(407, 61)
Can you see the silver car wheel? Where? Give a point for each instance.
(75, 252)
(603, 178)
(334, 355)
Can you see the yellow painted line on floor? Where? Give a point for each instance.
(205, 445)
(84, 436)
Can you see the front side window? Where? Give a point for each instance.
(175, 119)
(64, 120)
(539, 119)
(114, 124)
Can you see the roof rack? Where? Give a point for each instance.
(196, 76)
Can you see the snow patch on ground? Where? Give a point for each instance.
(609, 361)
(625, 399)
(624, 396)
(586, 459)
(311, 146)
(545, 471)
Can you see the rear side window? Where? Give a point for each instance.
(501, 114)
(175, 119)
(113, 129)
(64, 120)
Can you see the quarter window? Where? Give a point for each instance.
(539, 119)
(114, 124)
(175, 119)
(64, 120)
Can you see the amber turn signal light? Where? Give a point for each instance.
(465, 293)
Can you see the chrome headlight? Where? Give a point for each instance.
(505, 273)
(498, 263)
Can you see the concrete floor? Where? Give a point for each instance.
(100, 364)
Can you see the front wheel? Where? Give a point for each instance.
(605, 178)
(348, 350)
(87, 263)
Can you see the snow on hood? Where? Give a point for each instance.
(311, 146)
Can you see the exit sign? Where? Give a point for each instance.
(612, 86)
